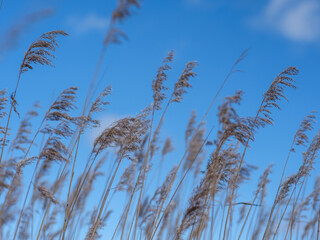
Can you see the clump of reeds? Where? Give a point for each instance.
(69, 195)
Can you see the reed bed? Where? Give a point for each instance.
(63, 201)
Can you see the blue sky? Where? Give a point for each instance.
(279, 33)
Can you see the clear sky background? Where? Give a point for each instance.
(279, 33)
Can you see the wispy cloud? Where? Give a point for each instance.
(87, 23)
(298, 20)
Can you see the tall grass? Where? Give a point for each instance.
(63, 201)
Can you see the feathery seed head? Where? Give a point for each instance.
(183, 83)
(40, 51)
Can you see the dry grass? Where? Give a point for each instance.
(63, 201)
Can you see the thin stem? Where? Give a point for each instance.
(143, 167)
(232, 70)
(104, 200)
(49, 204)
(176, 190)
(70, 183)
(240, 165)
(9, 115)
(282, 215)
(247, 216)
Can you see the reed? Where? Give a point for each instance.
(72, 196)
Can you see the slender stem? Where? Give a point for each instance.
(280, 183)
(232, 70)
(247, 216)
(104, 201)
(56, 186)
(9, 115)
(143, 168)
(76, 196)
(70, 183)
(30, 183)
(12, 182)
(157, 222)
(282, 215)
(240, 165)
(49, 204)
(318, 226)
(119, 222)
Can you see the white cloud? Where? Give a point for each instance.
(275, 7)
(90, 22)
(298, 20)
